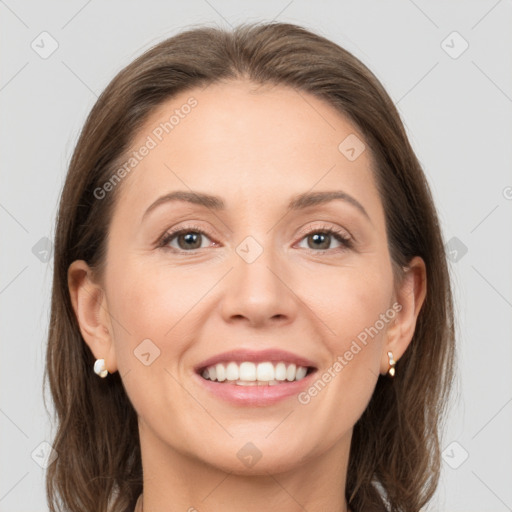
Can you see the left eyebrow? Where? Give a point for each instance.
(297, 202)
(308, 199)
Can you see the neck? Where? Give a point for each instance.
(176, 481)
(139, 507)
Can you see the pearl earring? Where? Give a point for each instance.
(391, 370)
(99, 368)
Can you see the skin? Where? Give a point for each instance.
(255, 147)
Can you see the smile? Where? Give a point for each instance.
(247, 373)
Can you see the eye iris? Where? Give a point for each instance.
(320, 237)
(192, 239)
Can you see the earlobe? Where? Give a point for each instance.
(91, 310)
(410, 296)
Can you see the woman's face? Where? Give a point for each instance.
(254, 271)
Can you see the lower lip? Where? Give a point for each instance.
(255, 395)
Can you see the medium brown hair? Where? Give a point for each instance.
(395, 453)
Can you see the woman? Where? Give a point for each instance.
(251, 305)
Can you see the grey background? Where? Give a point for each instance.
(457, 112)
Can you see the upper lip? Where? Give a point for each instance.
(271, 354)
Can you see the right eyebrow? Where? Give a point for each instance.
(199, 198)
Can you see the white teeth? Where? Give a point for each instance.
(265, 372)
(247, 371)
(252, 374)
(232, 371)
(256, 383)
(221, 372)
(290, 372)
(280, 371)
(301, 373)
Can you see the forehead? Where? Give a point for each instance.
(260, 141)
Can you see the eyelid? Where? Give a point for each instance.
(342, 235)
(325, 227)
(172, 233)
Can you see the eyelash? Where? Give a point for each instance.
(339, 235)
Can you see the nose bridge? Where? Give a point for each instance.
(256, 289)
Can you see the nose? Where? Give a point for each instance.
(259, 292)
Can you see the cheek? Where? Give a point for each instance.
(148, 304)
(154, 307)
(354, 307)
(349, 302)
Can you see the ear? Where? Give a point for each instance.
(91, 310)
(409, 299)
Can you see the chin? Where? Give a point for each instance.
(259, 456)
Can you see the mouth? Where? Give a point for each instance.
(260, 385)
(248, 378)
(248, 373)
